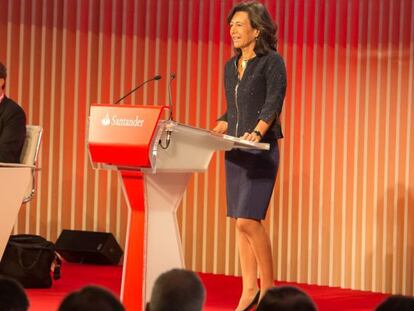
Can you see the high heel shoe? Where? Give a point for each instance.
(253, 302)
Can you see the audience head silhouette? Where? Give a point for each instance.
(91, 298)
(175, 290)
(286, 298)
(397, 303)
(12, 295)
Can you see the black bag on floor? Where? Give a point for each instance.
(30, 259)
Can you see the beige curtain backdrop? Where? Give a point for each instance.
(343, 207)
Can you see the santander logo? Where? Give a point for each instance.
(123, 122)
(106, 120)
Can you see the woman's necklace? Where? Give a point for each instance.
(243, 62)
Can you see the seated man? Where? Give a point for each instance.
(177, 289)
(286, 298)
(396, 303)
(12, 295)
(12, 124)
(91, 298)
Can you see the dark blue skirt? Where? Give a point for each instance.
(250, 178)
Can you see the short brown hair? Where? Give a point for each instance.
(177, 289)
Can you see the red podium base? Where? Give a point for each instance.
(133, 288)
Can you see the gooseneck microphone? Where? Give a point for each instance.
(168, 131)
(157, 77)
(172, 77)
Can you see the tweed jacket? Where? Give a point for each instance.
(258, 95)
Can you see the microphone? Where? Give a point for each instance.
(168, 130)
(157, 77)
(172, 77)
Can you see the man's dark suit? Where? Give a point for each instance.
(12, 130)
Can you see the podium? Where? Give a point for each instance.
(155, 159)
(14, 181)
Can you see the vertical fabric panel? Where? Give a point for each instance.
(342, 213)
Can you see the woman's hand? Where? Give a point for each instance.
(257, 134)
(253, 136)
(221, 127)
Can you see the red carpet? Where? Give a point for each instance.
(222, 291)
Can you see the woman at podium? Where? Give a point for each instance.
(255, 87)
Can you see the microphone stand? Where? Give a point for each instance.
(169, 132)
(172, 77)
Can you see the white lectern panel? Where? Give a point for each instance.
(163, 194)
(13, 184)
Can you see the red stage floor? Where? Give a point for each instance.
(222, 291)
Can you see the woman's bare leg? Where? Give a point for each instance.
(259, 242)
(249, 271)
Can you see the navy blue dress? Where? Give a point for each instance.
(250, 178)
(259, 95)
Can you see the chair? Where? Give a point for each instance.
(29, 155)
